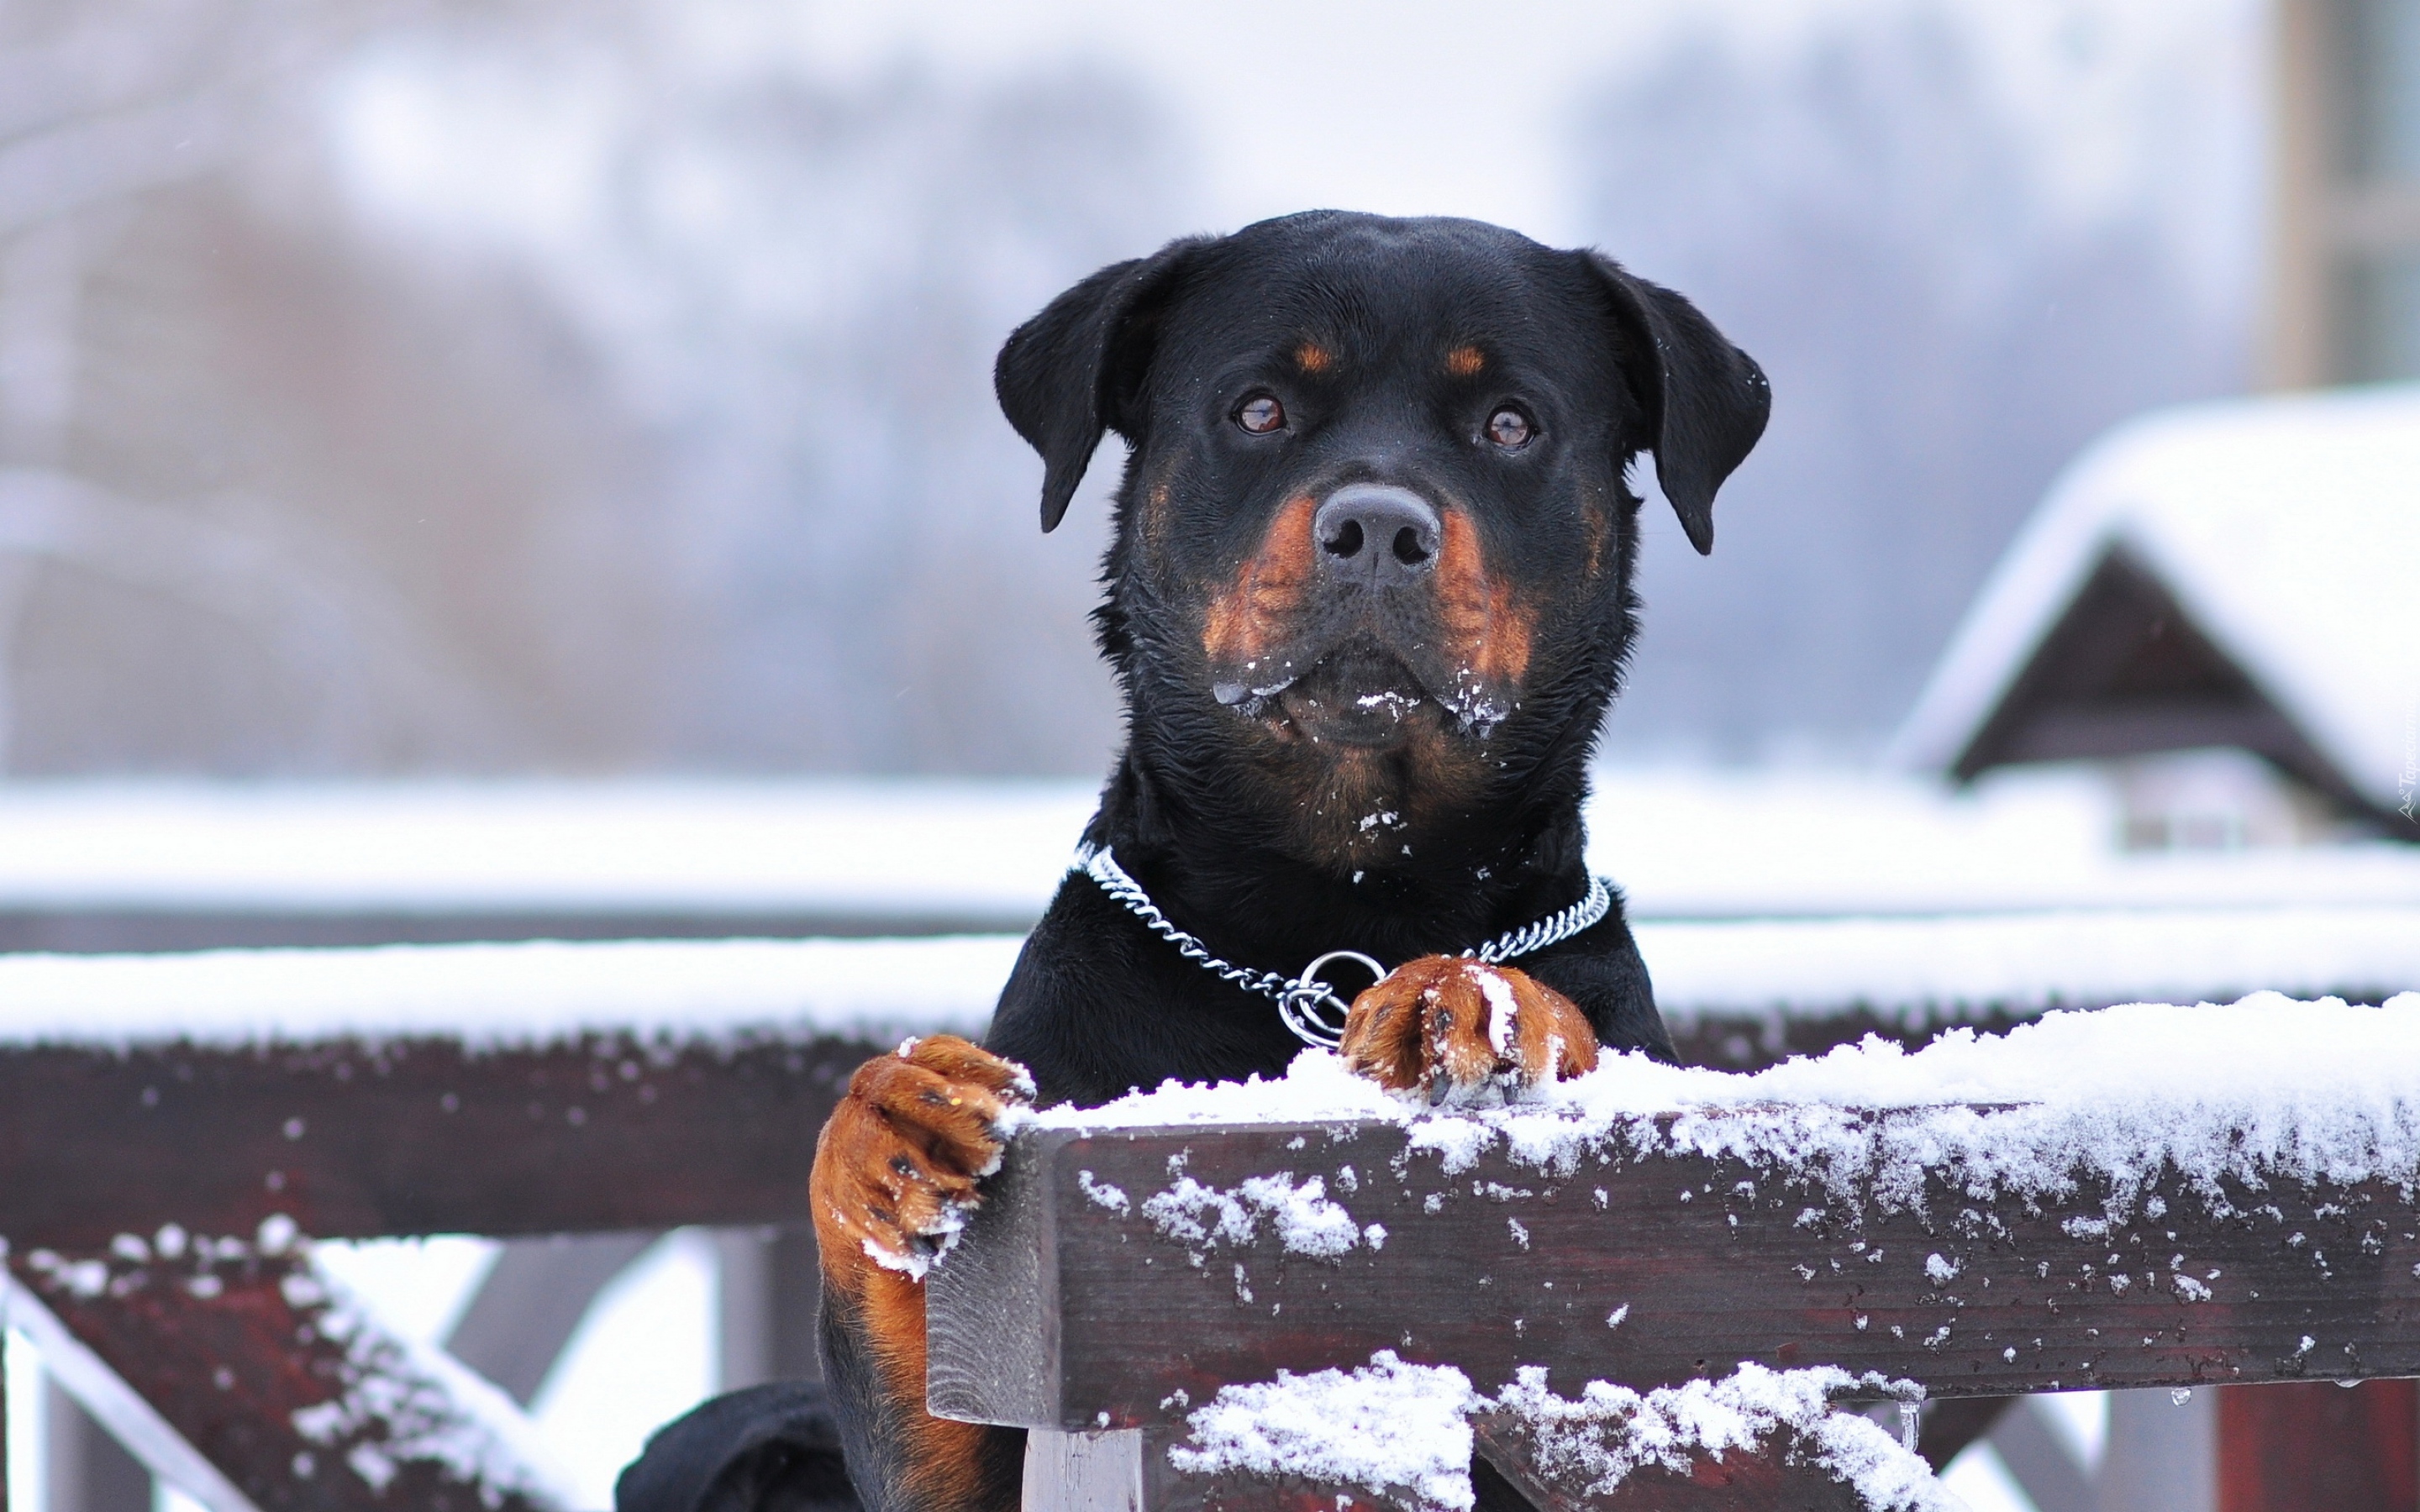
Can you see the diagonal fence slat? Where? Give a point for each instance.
(238, 1373)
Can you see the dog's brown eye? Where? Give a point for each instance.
(1260, 414)
(1508, 428)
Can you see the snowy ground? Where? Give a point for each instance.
(1925, 970)
(1683, 843)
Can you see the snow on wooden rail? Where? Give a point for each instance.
(2147, 1195)
(309, 1403)
(543, 1087)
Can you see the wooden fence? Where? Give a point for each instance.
(1124, 1278)
(153, 1194)
(218, 1333)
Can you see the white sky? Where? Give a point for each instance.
(1436, 107)
(1415, 107)
(2136, 108)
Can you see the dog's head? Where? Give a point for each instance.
(1375, 541)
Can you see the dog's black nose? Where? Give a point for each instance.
(1376, 534)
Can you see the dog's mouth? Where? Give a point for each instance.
(1360, 694)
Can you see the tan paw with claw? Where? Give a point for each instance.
(1459, 1030)
(897, 1165)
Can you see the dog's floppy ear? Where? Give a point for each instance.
(1074, 371)
(1706, 399)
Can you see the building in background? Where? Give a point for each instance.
(2218, 601)
(2347, 235)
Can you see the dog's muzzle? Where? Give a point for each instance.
(1377, 534)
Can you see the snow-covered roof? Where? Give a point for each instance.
(906, 857)
(2287, 529)
(1922, 970)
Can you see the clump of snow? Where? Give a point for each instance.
(1611, 1432)
(943, 1230)
(1388, 1426)
(1306, 1222)
(1404, 1429)
(1103, 1194)
(2256, 1090)
(403, 1403)
(1503, 1010)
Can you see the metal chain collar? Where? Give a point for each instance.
(1308, 1004)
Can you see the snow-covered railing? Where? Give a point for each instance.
(1656, 1278)
(169, 1126)
(551, 1088)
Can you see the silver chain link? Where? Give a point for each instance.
(1308, 1004)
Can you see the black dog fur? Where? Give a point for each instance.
(1208, 815)
(1325, 751)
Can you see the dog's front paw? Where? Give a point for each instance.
(897, 1165)
(1458, 1029)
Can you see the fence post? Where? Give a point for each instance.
(1084, 1472)
(2315, 1446)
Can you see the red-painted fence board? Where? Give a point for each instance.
(2319, 1447)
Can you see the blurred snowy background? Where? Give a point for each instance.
(396, 387)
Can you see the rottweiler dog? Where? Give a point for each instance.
(1368, 597)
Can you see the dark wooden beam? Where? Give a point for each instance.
(411, 1136)
(1060, 1311)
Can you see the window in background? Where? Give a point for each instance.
(2346, 295)
(2381, 301)
(2375, 217)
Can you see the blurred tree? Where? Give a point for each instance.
(532, 387)
(1952, 295)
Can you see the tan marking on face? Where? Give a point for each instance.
(1487, 630)
(1313, 358)
(1465, 361)
(1158, 516)
(1245, 619)
(1594, 513)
